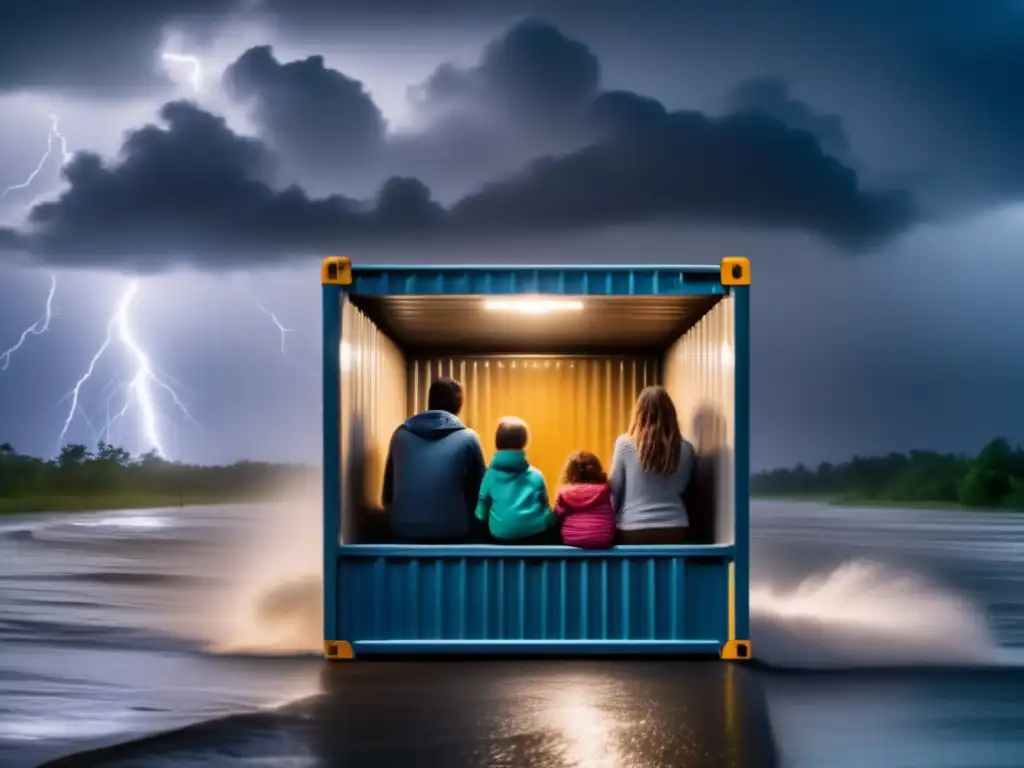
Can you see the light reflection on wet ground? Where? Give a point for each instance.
(549, 714)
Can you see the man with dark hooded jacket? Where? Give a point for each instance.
(433, 472)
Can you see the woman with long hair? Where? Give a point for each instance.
(650, 472)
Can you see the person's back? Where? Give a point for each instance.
(651, 470)
(584, 503)
(513, 498)
(434, 468)
(649, 499)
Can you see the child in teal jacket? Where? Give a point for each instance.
(513, 498)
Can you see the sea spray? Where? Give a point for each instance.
(860, 614)
(272, 604)
(863, 614)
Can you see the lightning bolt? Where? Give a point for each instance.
(139, 390)
(283, 330)
(195, 66)
(41, 326)
(53, 133)
(280, 326)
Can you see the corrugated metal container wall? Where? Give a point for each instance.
(698, 371)
(373, 404)
(570, 403)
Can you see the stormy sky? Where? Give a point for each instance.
(866, 156)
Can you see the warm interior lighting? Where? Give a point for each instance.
(725, 355)
(533, 305)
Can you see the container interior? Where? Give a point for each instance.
(586, 325)
(572, 372)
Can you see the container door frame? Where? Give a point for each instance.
(334, 289)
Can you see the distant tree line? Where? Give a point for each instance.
(994, 478)
(111, 471)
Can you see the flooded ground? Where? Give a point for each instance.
(889, 638)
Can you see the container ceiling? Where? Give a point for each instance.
(605, 324)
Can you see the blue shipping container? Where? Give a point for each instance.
(567, 348)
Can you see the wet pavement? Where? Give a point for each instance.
(498, 714)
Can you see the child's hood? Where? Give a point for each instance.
(510, 462)
(582, 495)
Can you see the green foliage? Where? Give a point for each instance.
(992, 479)
(79, 475)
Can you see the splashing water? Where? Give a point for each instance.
(281, 620)
(273, 604)
(863, 614)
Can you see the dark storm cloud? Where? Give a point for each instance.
(532, 72)
(772, 96)
(988, 77)
(12, 241)
(940, 77)
(748, 169)
(94, 46)
(628, 160)
(527, 96)
(192, 191)
(955, 63)
(307, 14)
(315, 115)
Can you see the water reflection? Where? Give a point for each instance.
(127, 522)
(589, 732)
(549, 714)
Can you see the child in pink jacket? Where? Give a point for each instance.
(584, 504)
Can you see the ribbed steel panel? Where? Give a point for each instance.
(699, 374)
(570, 403)
(408, 280)
(460, 324)
(547, 595)
(373, 403)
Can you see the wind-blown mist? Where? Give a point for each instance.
(271, 600)
(862, 614)
(859, 614)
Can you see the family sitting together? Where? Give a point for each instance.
(439, 490)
